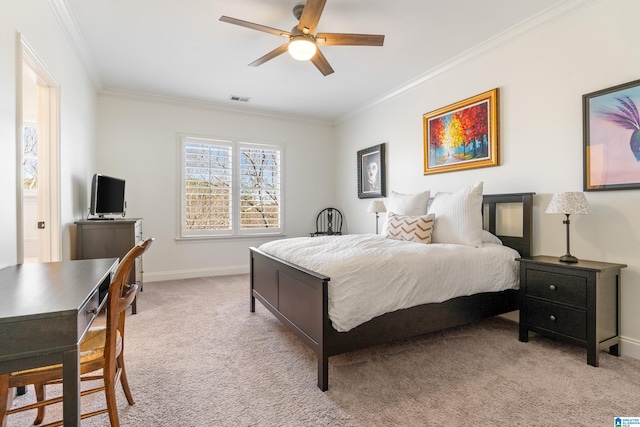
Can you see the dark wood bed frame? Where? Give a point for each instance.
(299, 298)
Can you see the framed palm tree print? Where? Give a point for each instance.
(611, 130)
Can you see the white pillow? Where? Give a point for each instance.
(407, 204)
(458, 216)
(411, 228)
(488, 237)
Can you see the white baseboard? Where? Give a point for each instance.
(195, 273)
(630, 347)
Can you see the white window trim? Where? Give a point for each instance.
(235, 231)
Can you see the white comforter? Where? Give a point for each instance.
(371, 275)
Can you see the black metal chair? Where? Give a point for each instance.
(328, 222)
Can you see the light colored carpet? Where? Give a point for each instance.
(196, 356)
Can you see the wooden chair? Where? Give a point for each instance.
(101, 348)
(328, 222)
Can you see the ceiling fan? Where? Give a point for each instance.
(303, 41)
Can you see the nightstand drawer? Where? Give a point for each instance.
(556, 287)
(557, 318)
(571, 302)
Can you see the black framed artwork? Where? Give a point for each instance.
(371, 172)
(612, 138)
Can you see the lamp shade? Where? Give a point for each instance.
(377, 206)
(302, 47)
(570, 203)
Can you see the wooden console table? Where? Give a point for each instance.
(45, 310)
(104, 238)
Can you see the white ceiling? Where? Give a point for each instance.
(180, 49)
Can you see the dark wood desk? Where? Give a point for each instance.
(45, 309)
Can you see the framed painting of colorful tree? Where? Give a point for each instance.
(463, 135)
(611, 131)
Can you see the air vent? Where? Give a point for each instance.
(239, 98)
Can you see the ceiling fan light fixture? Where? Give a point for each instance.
(302, 47)
(304, 41)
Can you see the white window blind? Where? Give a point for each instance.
(208, 186)
(260, 188)
(230, 188)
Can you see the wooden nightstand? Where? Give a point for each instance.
(576, 303)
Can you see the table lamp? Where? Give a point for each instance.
(567, 204)
(377, 206)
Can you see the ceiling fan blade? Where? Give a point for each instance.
(321, 63)
(275, 52)
(311, 16)
(254, 26)
(340, 39)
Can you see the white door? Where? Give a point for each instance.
(39, 226)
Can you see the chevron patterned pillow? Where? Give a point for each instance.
(411, 228)
(407, 204)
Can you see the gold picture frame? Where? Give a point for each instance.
(462, 136)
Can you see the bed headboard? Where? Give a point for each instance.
(490, 204)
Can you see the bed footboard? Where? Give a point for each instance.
(299, 298)
(296, 296)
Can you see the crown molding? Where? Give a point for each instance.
(72, 31)
(510, 35)
(110, 92)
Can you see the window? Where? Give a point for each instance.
(30, 156)
(229, 188)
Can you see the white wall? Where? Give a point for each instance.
(542, 78)
(138, 140)
(36, 22)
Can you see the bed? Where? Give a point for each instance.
(299, 297)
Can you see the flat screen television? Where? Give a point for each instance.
(107, 196)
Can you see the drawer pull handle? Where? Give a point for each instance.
(552, 318)
(552, 287)
(92, 311)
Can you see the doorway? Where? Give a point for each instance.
(37, 160)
